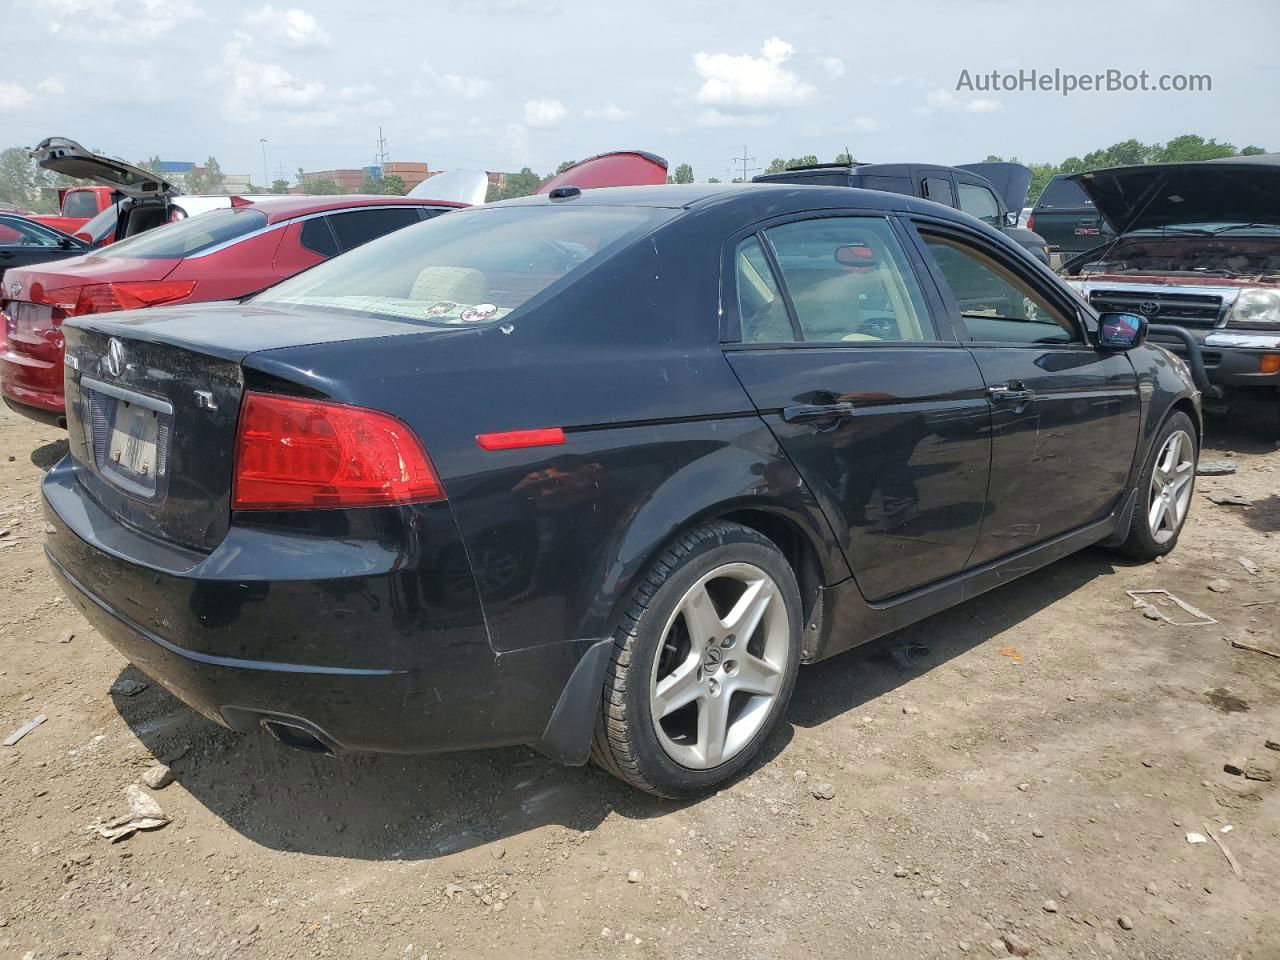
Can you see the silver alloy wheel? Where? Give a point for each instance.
(1171, 483)
(716, 675)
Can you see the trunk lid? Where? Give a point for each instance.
(455, 186)
(67, 157)
(622, 168)
(1231, 190)
(153, 398)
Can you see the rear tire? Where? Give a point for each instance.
(1165, 489)
(704, 661)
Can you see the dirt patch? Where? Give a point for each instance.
(1020, 772)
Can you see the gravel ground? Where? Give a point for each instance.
(1018, 774)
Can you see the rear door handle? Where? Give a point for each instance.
(816, 411)
(1013, 392)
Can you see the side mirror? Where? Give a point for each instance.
(1011, 218)
(1121, 331)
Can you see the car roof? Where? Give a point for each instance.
(286, 207)
(785, 197)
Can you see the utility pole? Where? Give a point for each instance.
(744, 160)
(266, 175)
(381, 156)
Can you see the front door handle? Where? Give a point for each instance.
(1013, 392)
(816, 411)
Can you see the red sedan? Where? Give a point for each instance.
(219, 255)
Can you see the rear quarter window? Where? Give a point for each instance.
(360, 226)
(471, 267)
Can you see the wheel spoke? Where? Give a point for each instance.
(1154, 514)
(748, 611)
(679, 689)
(713, 728)
(701, 618)
(756, 676)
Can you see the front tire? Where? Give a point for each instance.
(704, 662)
(1165, 488)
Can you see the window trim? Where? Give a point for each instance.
(920, 225)
(731, 323)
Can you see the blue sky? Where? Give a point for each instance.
(499, 84)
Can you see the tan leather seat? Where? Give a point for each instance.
(462, 285)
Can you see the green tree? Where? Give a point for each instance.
(1251, 151)
(322, 186)
(713, 179)
(393, 185)
(845, 157)
(808, 160)
(683, 174)
(368, 184)
(565, 166)
(17, 177)
(776, 165)
(152, 163)
(521, 184)
(1189, 146)
(215, 182)
(279, 186)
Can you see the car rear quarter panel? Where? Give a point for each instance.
(659, 433)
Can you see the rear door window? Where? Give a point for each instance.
(317, 236)
(474, 266)
(361, 226)
(938, 189)
(849, 281)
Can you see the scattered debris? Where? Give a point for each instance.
(1252, 568)
(1258, 603)
(1024, 787)
(498, 851)
(1229, 500)
(453, 889)
(1260, 770)
(1016, 945)
(909, 655)
(910, 711)
(23, 730)
(1215, 468)
(1219, 585)
(128, 687)
(800, 776)
(1226, 828)
(1037, 833)
(1011, 653)
(67, 637)
(1125, 922)
(1197, 838)
(1236, 766)
(635, 875)
(1050, 906)
(1252, 648)
(901, 872)
(823, 791)
(1163, 598)
(1273, 744)
(157, 777)
(144, 814)
(1231, 860)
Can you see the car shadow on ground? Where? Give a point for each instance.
(47, 454)
(383, 807)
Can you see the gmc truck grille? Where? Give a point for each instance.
(1202, 310)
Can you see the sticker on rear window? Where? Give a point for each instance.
(441, 307)
(479, 313)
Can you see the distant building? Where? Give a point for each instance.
(411, 173)
(349, 179)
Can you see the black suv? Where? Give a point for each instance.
(992, 192)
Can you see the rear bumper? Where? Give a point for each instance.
(54, 418)
(1233, 358)
(370, 656)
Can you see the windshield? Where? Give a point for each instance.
(173, 241)
(474, 266)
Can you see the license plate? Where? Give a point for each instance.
(131, 444)
(30, 317)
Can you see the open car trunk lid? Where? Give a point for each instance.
(153, 399)
(70, 159)
(622, 168)
(455, 186)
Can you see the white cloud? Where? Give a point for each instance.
(866, 124)
(91, 19)
(359, 91)
(711, 117)
(14, 97)
(456, 85)
(746, 81)
(834, 67)
(610, 112)
(515, 140)
(293, 27)
(942, 99)
(543, 113)
(53, 86)
(256, 86)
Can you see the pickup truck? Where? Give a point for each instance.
(76, 206)
(1067, 219)
(992, 192)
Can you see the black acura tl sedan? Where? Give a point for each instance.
(597, 471)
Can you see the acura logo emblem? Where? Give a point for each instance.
(712, 659)
(115, 357)
(1150, 307)
(15, 288)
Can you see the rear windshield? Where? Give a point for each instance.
(1063, 193)
(474, 266)
(172, 241)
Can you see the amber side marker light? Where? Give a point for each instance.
(518, 439)
(1270, 363)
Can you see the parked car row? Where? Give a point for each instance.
(593, 471)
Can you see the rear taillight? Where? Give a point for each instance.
(296, 454)
(77, 300)
(1031, 222)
